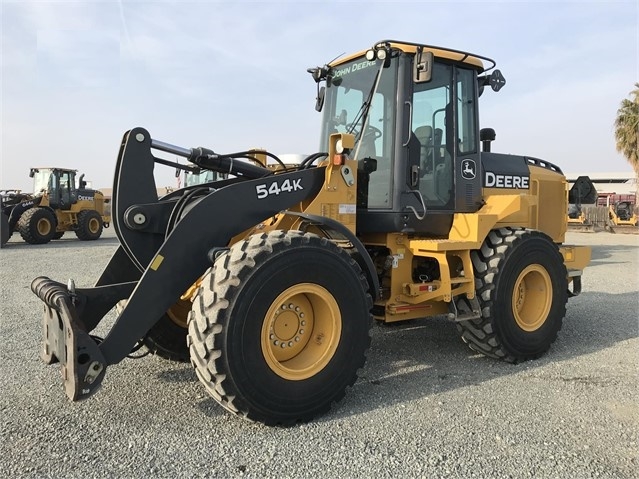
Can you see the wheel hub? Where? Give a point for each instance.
(94, 225)
(288, 334)
(532, 297)
(44, 227)
(301, 331)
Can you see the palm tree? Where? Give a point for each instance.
(627, 129)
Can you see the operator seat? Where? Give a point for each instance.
(367, 147)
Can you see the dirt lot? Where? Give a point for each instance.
(424, 406)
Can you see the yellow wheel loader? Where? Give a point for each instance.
(269, 280)
(55, 207)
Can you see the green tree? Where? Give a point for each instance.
(627, 129)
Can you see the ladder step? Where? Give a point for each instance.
(460, 280)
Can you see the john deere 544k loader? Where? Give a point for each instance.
(268, 281)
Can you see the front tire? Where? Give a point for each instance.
(37, 225)
(280, 327)
(89, 225)
(522, 290)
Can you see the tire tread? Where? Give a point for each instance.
(207, 317)
(480, 334)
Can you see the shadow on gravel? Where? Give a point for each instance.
(426, 357)
(183, 373)
(71, 242)
(603, 252)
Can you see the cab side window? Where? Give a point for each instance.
(65, 189)
(466, 122)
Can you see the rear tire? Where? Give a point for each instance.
(280, 326)
(522, 290)
(37, 225)
(58, 235)
(5, 234)
(89, 225)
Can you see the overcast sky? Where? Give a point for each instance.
(232, 75)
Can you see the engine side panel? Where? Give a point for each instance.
(542, 186)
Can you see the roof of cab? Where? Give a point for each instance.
(440, 52)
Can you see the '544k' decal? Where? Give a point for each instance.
(275, 188)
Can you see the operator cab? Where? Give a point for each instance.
(413, 111)
(58, 184)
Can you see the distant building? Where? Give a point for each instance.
(610, 183)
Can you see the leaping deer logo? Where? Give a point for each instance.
(468, 169)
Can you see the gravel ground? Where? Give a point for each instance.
(424, 406)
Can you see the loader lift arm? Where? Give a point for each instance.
(170, 257)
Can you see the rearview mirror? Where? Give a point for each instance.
(496, 80)
(423, 66)
(319, 101)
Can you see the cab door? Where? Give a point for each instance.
(66, 185)
(444, 122)
(433, 126)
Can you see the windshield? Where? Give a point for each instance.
(41, 181)
(348, 89)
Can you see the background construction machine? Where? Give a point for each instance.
(268, 280)
(9, 199)
(56, 206)
(623, 216)
(583, 191)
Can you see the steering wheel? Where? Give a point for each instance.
(370, 130)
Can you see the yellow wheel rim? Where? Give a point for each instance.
(94, 225)
(532, 297)
(43, 226)
(179, 313)
(301, 331)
